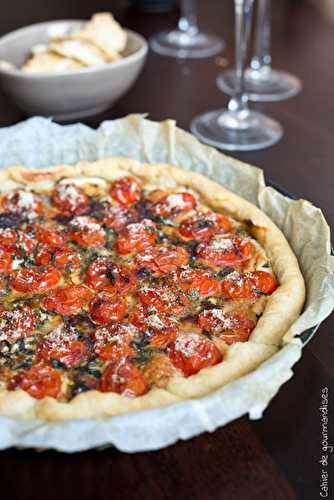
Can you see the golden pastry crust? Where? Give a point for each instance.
(282, 308)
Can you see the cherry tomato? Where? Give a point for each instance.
(162, 258)
(230, 326)
(63, 345)
(36, 280)
(264, 282)
(107, 308)
(49, 237)
(66, 257)
(8, 238)
(43, 256)
(68, 300)
(16, 241)
(17, 323)
(70, 199)
(173, 204)
(87, 232)
(117, 217)
(225, 250)
(40, 380)
(22, 202)
(160, 329)
(204, 225)
(167, 300)
(248, 285)
(104, 274)
(136, 237)
(125, 379)
(5, 261)
(198, 280)
(113, 343)
(191, 353)
(125, 190)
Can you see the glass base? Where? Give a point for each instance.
(181, 45)
(243, 131)
(262, 85)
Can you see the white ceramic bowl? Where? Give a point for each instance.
(72, 94)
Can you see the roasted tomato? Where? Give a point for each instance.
(40, 380)
(160, 329)
(162, 258)
(248, 285)
(67, 258)
(104, 274)
(5, 261)
(70, 199)
(204, 225)
(136, 237)
(63, 345)
(173, 204)
(113, 342)
(49, 237)
(117, 217)
(36, 280)
(22, 202)
(198, 280)
(87, 232)
(17, 323)
(166, 300)
(43, 255)
(191, 352)
(68, 300)
(230, 326)
(125, 190)
(125, 379)
(107, 308)
(225, 250)
(16, 241)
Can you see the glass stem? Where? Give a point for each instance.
(188, 20)
(262, 59)
(243, 19)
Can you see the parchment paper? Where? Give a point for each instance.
(38, 142)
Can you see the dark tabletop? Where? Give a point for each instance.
(278, 456)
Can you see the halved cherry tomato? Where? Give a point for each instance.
(113, 343)
(70, 199)
(191, 353)
(43, 256)
(63, 345)
(125, 190)
(49, 237)
(40, 380)
(22, 202)
(198, 280)
(117, 217)
(16, 241)
(17, 323)
(167, 300)
(5, 261)
(173, 204)
(136, 237)
(204, 225)
(248, 285)
(87, 232)
(160, 329)
(163, 258)
(36, 280)
(104, 274)
(124, 378)
(107, 308)
(230, 326)
(66, 257)
(8, 238)
(225, 250)
(68, 300)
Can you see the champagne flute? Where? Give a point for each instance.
(262, 83)
(238, 128)
(187, 41)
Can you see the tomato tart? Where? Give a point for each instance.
(127, 286)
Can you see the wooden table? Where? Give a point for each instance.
(278, 456)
